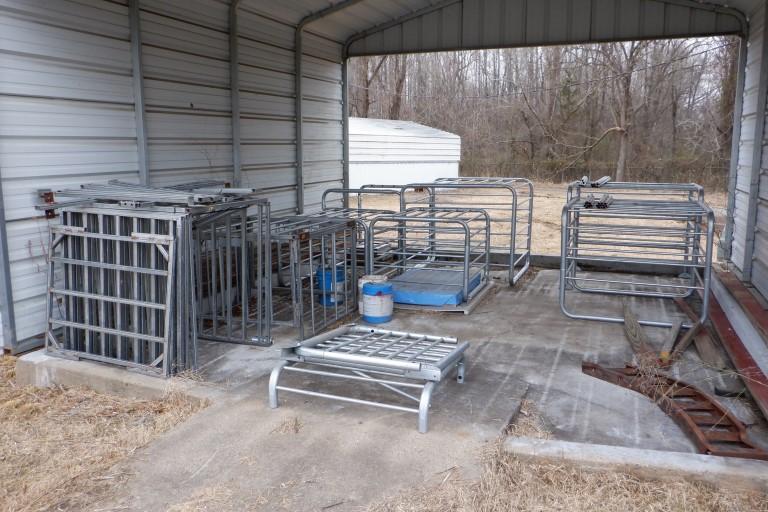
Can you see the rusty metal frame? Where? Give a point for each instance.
(710, 426)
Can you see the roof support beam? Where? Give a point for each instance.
(134, 21)
(703, 6)
(234, 93)
(345, 122)
(718, 9)
(299, 66)
(726, 244)
(397, 21)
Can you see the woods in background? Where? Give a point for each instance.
(643, 110)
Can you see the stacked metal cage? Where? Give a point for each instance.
(316, 268)
(361, 206)
(508, 202)
(653, 226)
(433, 256)
(137, 274)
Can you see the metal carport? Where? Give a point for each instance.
(162, 91)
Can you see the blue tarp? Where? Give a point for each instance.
(431, 287)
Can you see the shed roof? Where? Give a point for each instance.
(361, 126)
(392, 26)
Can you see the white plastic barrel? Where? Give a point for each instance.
(360, 283)
(378, 302)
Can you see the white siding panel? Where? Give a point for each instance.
(400, 152)
(66, 117)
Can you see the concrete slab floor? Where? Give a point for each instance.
(347, 455)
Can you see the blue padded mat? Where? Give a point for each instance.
(431, 287)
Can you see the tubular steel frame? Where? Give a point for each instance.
(362, 354)
(434, 239)
(359, 213)
(109, 297)
(136, 273)
(300, 246)
(653, 224)
(508, 201)
(233, 267)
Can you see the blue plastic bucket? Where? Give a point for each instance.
(329, 295)
(378, 303)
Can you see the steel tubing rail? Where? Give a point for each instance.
(443, 229)
(507, 200)
(675, 229)
(356, 353)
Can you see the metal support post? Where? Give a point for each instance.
(138, 91)
(234, 88)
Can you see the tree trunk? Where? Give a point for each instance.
(401, 69)
(621, 162)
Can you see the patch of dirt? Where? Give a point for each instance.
(58, 446)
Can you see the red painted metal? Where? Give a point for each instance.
(712, 428)
(754, 379)
(757, 314)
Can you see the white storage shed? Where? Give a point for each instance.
(388, 152)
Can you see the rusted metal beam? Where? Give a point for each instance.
(710, 426)
(746, 366)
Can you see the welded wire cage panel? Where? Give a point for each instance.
(508, 201)
(425, 246)
(360, 205)
(109, 297)
(315, 270)
(233, 273)
(656, 226)
(415, 355)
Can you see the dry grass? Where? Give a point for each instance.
(58, 446)
(509, 483)
(292, 425)
(207, 499)
(529, 423)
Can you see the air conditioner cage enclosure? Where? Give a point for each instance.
(666, 229)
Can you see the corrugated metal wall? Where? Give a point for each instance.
(67, 110)
(750, 217)
(267, 83)
(501, 23)
(760, 250)
(66, 116)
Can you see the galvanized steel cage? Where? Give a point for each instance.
(664, 226)
(508, 201)
(234, 269)
(316, 269)
(111, 289)
(447, 247)
(136, 274)
(356, 204)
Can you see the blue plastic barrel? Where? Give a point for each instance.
(329, 295)
(378, 303)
